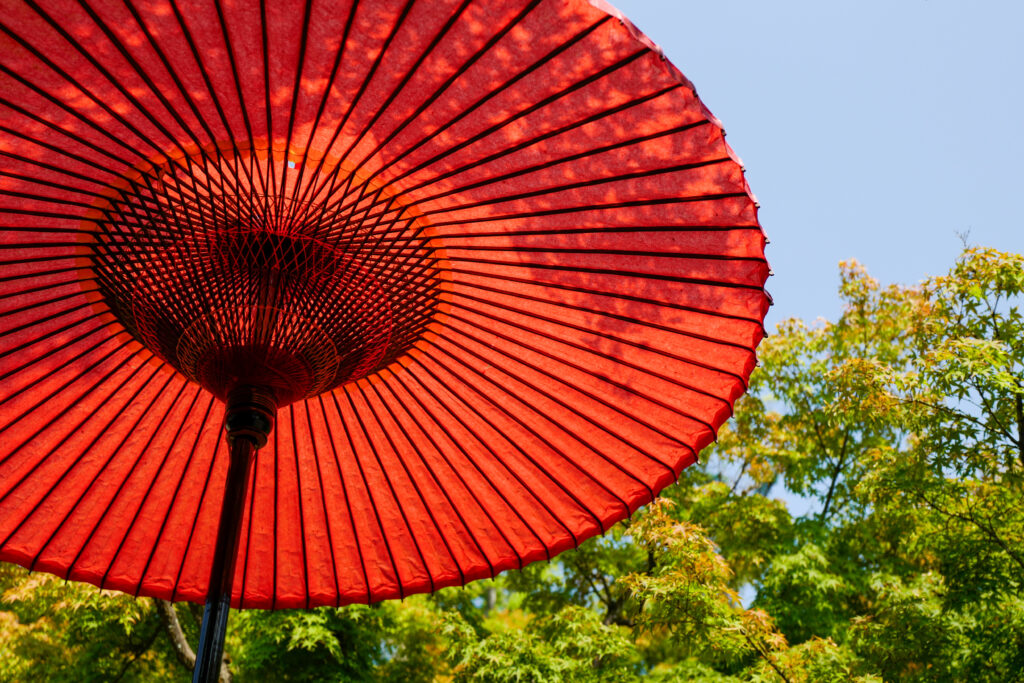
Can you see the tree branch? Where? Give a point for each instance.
(182, 650)
(991, 411)
(1019, 403)
(136, 653)
(835, 476)
(766, 656)
(986, 529)
(169, 619)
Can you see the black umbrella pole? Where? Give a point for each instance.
(249, 420)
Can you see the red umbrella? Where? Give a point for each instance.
(489, 264)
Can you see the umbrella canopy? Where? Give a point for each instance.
(492, 258)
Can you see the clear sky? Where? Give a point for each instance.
(875, 130)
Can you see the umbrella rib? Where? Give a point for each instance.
(53, 334)
(323, 495)
(642, 203)
(557, 378)
(62, 106)
(35, 273)
(152, 482)
(583, 184)
(612, 68)
(16, 485)
(111, 79)
(612, 271)
(455, 470)
(47, 183)
(507, 439)
(595, 207)
(277, 516)
(54, 168)
(271, 168)
(622, 340)
(298, 489)
(644, 253)
(301, 61)
(41, 230)
(113, 453)
(615, 295)
(436, 95)
(599, 230)
(581, 347)
(39, 245)
(253, 488)
(411, 478)
(366, 487)
(436, 479)
(387, 480)
(177, 489)
(504, 87)
(199, 509)
(348, 506)
(578, 156)
(577, 437)
(49, 200)
(123, 343)
(45, 302)
(457, 416)
(43, 214)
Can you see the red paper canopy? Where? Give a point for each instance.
(494, 256)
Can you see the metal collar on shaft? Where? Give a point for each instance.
(250, 414)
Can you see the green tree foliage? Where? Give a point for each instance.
(900, 426)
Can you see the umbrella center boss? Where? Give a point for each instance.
(244, 268)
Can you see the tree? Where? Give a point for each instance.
(901, 428)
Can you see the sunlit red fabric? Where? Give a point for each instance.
(516, 273)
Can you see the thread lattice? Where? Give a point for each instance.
(244, 269)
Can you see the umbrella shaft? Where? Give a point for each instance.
(218, 600)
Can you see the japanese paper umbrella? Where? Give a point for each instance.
(482, 275)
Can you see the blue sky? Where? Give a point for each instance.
(870, 130)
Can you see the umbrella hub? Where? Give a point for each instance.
(247, 306)
(296, 287)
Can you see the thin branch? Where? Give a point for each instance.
(739, 477)
(959, 415)
(766, 656)
(1019, 403)
(136, 653)
(991, 411)
(835, 476)
(987, 530)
